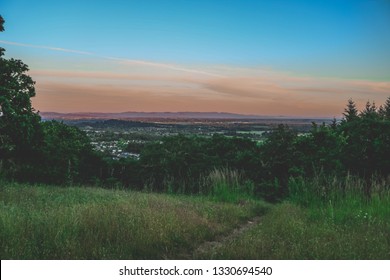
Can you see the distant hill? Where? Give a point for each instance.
(154, 115)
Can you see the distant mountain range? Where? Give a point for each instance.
(156, 115)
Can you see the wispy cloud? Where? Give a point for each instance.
(162, 65)
(45, 47)
(270, 95)
(120, 60)
(111, 84)
(108, 92)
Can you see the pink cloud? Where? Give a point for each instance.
(239, 90)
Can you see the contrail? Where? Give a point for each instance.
(123, 60)
(45, 47)
(166, 66)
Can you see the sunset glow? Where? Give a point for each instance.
(291, 58)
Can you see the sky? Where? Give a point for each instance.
(270, 57)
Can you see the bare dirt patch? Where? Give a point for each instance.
(212, 246)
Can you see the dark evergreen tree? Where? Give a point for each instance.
(1, 24)
(370, 110)
(386, 108)
(381, 112)
(334, 124)
(351, 112)
(277, 155)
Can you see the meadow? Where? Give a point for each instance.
(324, 218)
(51, 222)
(195, 195)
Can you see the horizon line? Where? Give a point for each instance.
(192, 112)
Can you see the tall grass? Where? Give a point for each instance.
(47, 222)
(342, 200)
(326, 218)
(227, 185)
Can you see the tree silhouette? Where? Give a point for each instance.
(386, 108)
(19, 123)
(350, 113)
(1, 24)
(370, 110)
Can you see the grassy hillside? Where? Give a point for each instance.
(47, 222)
(322, 219)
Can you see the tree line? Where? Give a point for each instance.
(51, 152)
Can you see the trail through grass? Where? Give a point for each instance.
(316, 222)
(46, 222)
(350, 227)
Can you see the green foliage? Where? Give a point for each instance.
(64, 156)
(135, 147)
(228, 168)
(1, 30)
(277, 155)
(19, 124)
(367, 149)
(386, 109)
(185, 164)
(348, 227)
(125, 173)
(227, 186)
(359, 144)
(351, 112)
(178, 163)
(319, 151)
(1, 24)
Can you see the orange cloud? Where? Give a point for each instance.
(86, 81)
(248, 91)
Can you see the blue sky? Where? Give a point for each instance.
(332, 44)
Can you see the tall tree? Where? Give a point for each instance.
(19, 123)
(370, 110)
(1, 24)
(351, 112)
(277, 154)
(386, 108)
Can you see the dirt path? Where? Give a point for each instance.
(211, 246)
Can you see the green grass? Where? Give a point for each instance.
(288, 232)
(325, 218)
(324, 222)
(228, 186)
(47, 222)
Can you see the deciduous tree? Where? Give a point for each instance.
(19, 123)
